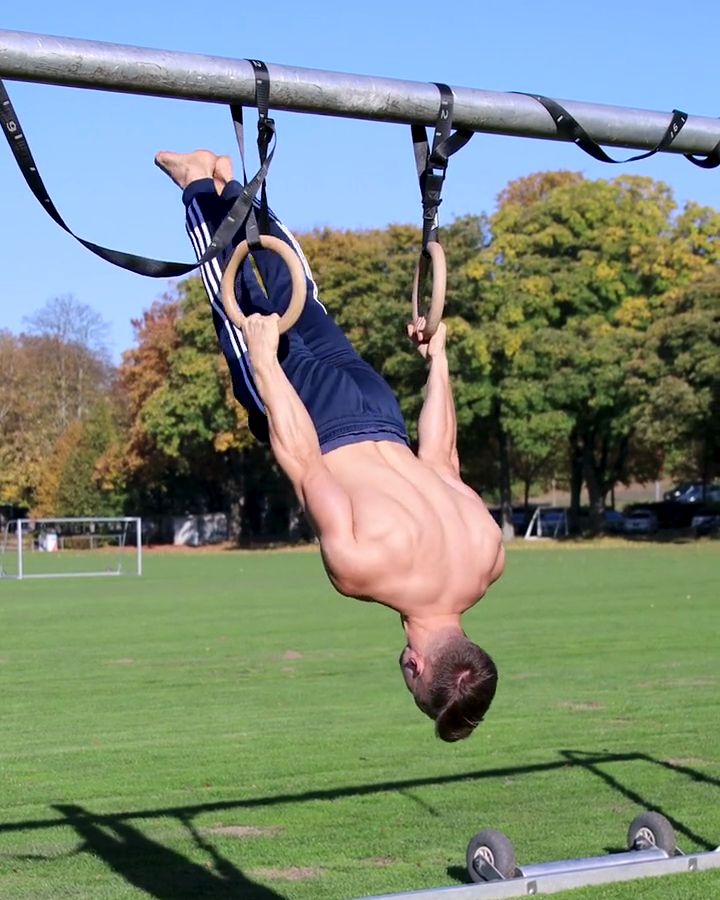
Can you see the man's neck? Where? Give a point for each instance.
(423, 631)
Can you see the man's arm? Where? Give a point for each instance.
(437, 425)
(293, 437)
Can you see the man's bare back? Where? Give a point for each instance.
(427, 544)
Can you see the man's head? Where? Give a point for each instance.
(453, 683)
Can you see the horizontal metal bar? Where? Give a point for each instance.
(563, 881)
(163, 73)
(630, 857)
(25, 575)
(77, 520)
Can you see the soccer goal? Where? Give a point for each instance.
(71, 547)
(547, 522)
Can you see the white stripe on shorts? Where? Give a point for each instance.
(212, 276)
(305, 264)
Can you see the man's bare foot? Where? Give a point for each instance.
(184, 168)
(222, 173)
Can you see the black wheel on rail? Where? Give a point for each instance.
(495, 849)
(652, 829)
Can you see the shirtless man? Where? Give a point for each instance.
(395, 528)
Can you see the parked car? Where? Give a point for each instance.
(707, 522)
(613, 521)
(694, 492)
(640, 521)
(677, 492)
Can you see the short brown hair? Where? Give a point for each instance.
(462, 685)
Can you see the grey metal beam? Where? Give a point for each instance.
(163, 73)
(564, 881)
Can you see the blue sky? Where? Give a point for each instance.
(95, 149)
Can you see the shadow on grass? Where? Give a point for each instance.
(459, 874)
(589, 762)
(167, 875)
(155, 869)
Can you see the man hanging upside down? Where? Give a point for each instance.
(394, 527)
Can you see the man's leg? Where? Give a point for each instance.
(205, 210)
(341, 392)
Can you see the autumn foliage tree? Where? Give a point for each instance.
(79, 479)
(54, 375)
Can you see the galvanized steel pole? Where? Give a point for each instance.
(163, 73)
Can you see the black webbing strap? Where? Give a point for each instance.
(266, 140)
(711, 161)
(141, 265)
(432, 162)
(569, 128)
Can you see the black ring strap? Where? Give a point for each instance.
(432, 162)
(142, 265)
(266, 137)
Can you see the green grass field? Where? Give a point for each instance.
(228, 727)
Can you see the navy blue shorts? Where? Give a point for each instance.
(347, 400)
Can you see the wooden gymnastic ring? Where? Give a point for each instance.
(435, 258)
(297, 275)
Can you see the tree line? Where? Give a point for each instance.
(583, 336)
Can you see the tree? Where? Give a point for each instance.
(502, 310)
(76, 481)
(571, 281)
(22, 418)
(76, 360)
(53, 376)
(677, 377)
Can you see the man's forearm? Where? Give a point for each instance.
(293, 438)
(437, 426)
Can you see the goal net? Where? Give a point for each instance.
(55, 548)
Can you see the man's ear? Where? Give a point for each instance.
(414, 663)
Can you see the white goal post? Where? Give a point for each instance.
(546, 522)
(71, 547)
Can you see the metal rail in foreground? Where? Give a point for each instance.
(553, 883)
(163, 73)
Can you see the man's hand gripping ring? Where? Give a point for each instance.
(435, 259)
(297, 275)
